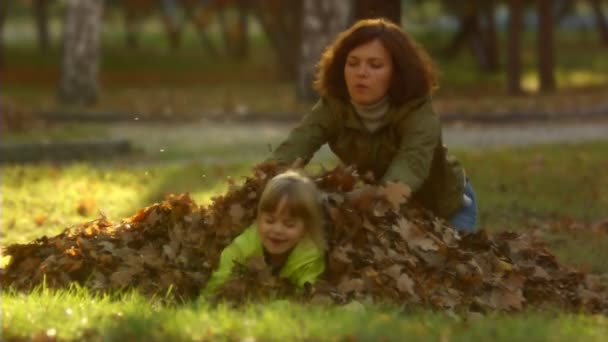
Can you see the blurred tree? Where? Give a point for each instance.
(41, 16)
(3, 9)
(390, 9)
(600, 20)
(235, 29)
(514, 47)
(477, 28)
(201, 17)
(322, 20)
(545, 49)
(135, 11)
(282, 23)
(80, 65)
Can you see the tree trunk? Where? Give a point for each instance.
(242, 44)
(491, 37)
(514, 47)
(172, 23)
(390, 9)
(3, 9)
(481, 39)
(282, 23)
(200, 19)
(41, 14)
(80, 66)
(546, 61)
(600, 20)
(322, 21)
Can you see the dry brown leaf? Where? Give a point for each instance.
(396, 193)
(177, 244)
(405, 284)
(86, 206)
(236, 212)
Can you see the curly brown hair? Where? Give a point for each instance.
(414, 74)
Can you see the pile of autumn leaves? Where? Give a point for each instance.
(380, 250)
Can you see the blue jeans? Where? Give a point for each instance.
(465, 219)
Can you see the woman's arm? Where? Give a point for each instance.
(421, 131)
(305, 139)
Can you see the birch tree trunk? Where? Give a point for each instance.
(80, 65)
(322, 20)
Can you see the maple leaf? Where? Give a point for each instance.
(86, 206)
(396, 193)
(505, 299)
(236, 212)
(351, 285)
(394, 271)
(123, 277)
(40, 220)
(405, 284)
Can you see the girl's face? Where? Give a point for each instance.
(368, 72)
(280, 231)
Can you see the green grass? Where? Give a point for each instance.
(77, 314)
(514, 186)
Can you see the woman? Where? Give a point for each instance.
(375, 113)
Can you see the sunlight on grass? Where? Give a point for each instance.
(77, 313)
(542, 182)
(565, 79)
(529, 82)
(39, 200)
(581, 78)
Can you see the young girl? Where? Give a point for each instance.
(288, 233)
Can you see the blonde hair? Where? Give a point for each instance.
(302, 201)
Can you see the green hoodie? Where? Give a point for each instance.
(304, 264)
(407, 148)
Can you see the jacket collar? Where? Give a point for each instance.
(394, 114)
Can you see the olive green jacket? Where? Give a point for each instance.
(304, 264)
(407, 148)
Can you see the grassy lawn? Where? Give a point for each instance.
(517, 189)
(75, 314)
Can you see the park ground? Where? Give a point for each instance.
(190, 131)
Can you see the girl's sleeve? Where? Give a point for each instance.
(310, 272)
(420, 135)
(229, 255)
(307, 137)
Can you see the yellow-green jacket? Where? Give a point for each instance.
(304, 264)
(407, 148)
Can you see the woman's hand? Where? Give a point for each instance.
(395, 193)
(363, 197)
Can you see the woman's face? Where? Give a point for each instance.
(367, 72)
(280, 231)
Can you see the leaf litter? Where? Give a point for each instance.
(384, 251)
